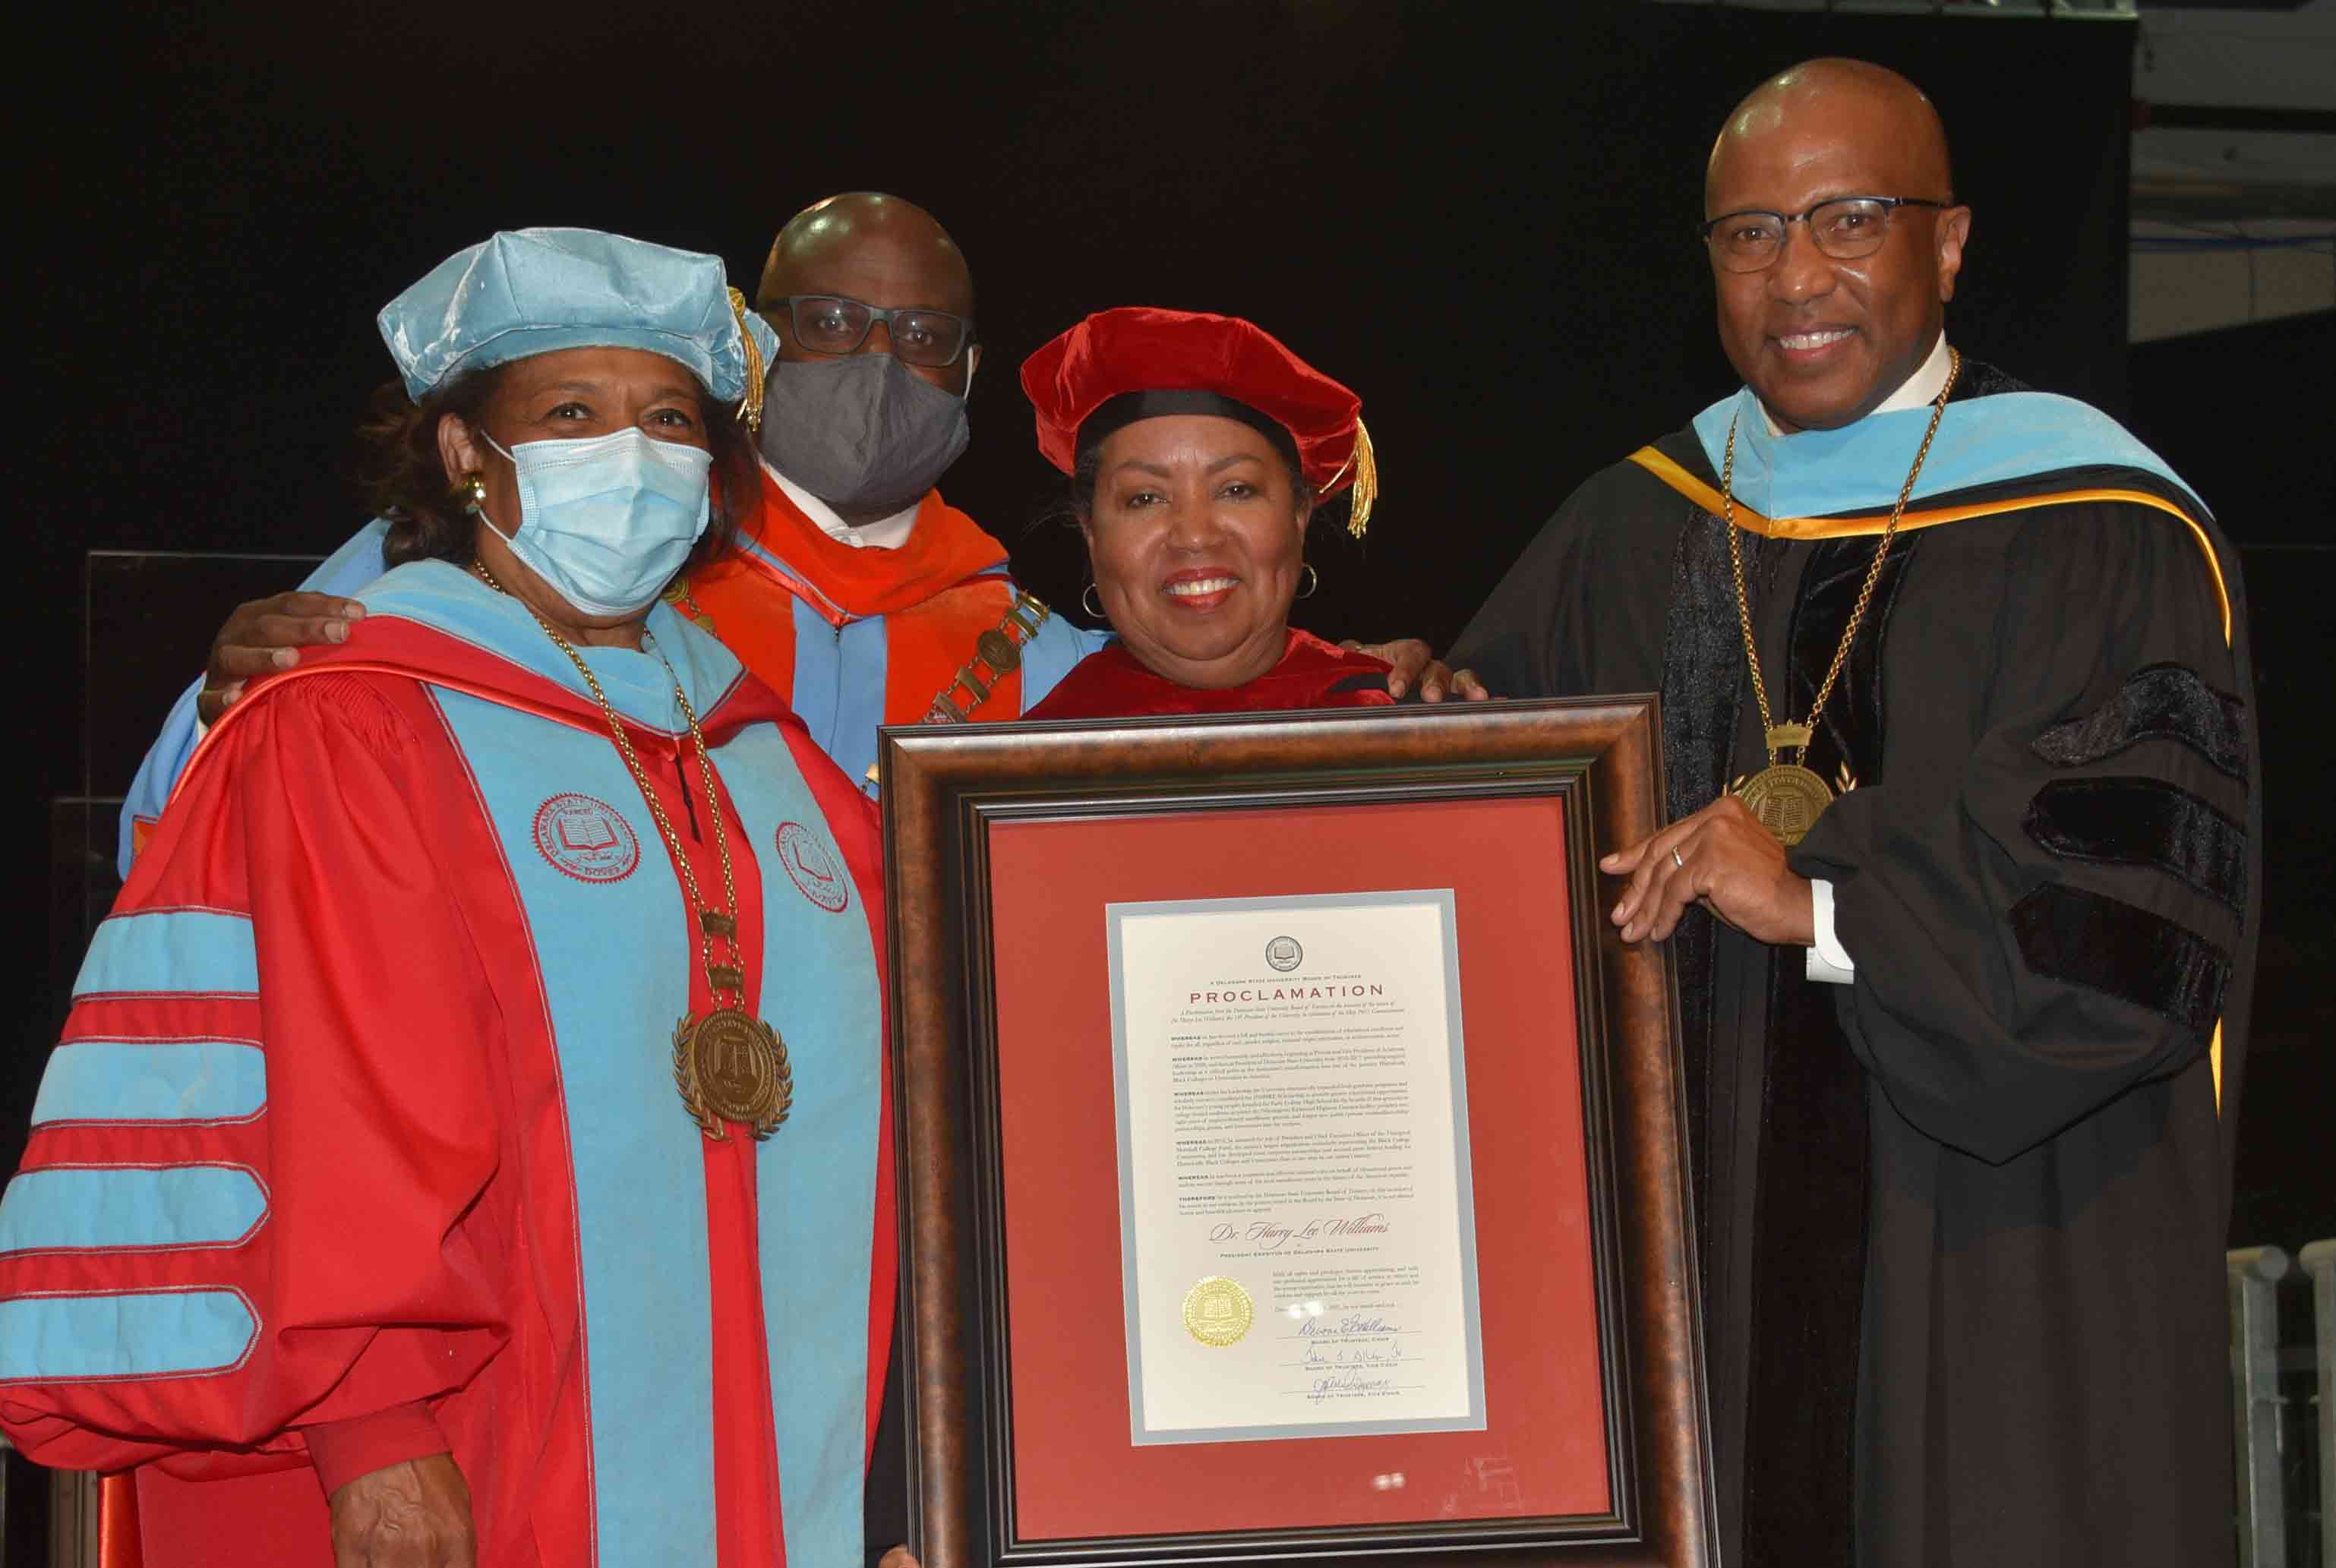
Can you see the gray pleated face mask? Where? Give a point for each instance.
(863, 432)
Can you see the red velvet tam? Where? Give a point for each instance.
(1137, 362)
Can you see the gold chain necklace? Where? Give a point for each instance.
(730, 1065)
(1787, 797)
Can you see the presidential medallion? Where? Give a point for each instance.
(1786, 796)
(1787, 799)
(731, 1067)
(1218, 1311)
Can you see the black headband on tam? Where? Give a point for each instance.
(1117, 413)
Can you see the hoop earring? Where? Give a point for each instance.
(1313, 580)
(1093, 609)
(473, 485)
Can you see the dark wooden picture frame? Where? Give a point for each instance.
(943, 788)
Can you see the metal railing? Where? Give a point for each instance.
(2255, 1276)
(2319, 1261)
(2266, 1513)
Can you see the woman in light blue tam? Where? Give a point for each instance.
(504, 328)
(468, 1142)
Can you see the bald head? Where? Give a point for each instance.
(872, 247)
(1828, 325)
(1849, 102)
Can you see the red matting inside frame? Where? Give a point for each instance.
(1077, 1473)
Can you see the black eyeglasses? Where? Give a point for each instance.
(831, 324)
(1844, 229)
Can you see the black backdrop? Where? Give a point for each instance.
(1479, 216)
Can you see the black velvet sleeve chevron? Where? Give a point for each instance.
(2087, 939)
(2142, 821)
(2159, 700)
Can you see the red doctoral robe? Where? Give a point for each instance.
(1311, 674)
(361, 1142)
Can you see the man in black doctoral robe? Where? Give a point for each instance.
(1953, 1059)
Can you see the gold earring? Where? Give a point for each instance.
(472, 485)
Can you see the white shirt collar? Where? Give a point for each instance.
(1916, 391)
(884, 533)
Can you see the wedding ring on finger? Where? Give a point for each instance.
(1675, 858)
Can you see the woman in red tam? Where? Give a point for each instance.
(1198, 448)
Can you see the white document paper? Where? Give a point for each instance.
(1297, 1224)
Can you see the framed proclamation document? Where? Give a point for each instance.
(1291, 1159)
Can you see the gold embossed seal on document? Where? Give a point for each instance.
(1218, 1311)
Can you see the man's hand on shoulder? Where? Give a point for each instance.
(264, 635)
(1724, 858)
(1415, 665)
(414, 1514)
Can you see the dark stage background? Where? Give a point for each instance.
(1478, 216)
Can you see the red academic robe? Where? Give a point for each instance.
(361, 1142)
(1311, 673)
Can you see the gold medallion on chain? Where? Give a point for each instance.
(731, 1067)
(1786, 798)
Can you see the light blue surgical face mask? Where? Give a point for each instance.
(607, 519)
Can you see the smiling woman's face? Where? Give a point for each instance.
(1196, 538)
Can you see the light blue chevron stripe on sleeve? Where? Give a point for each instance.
(153, 1081)
(116, 1208)
(202, 953)
(137, 1334)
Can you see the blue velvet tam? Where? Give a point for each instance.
(531, 291)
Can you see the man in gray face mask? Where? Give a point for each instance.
(857, 592)
(873, 306)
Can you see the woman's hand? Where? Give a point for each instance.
(414, 1514)
(898, 1557)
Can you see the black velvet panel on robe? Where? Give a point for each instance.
(1804, 1273)
(2142, 821)
(2109, 946)
(2162, 700)
(1703, 678)
(1810, 1224)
